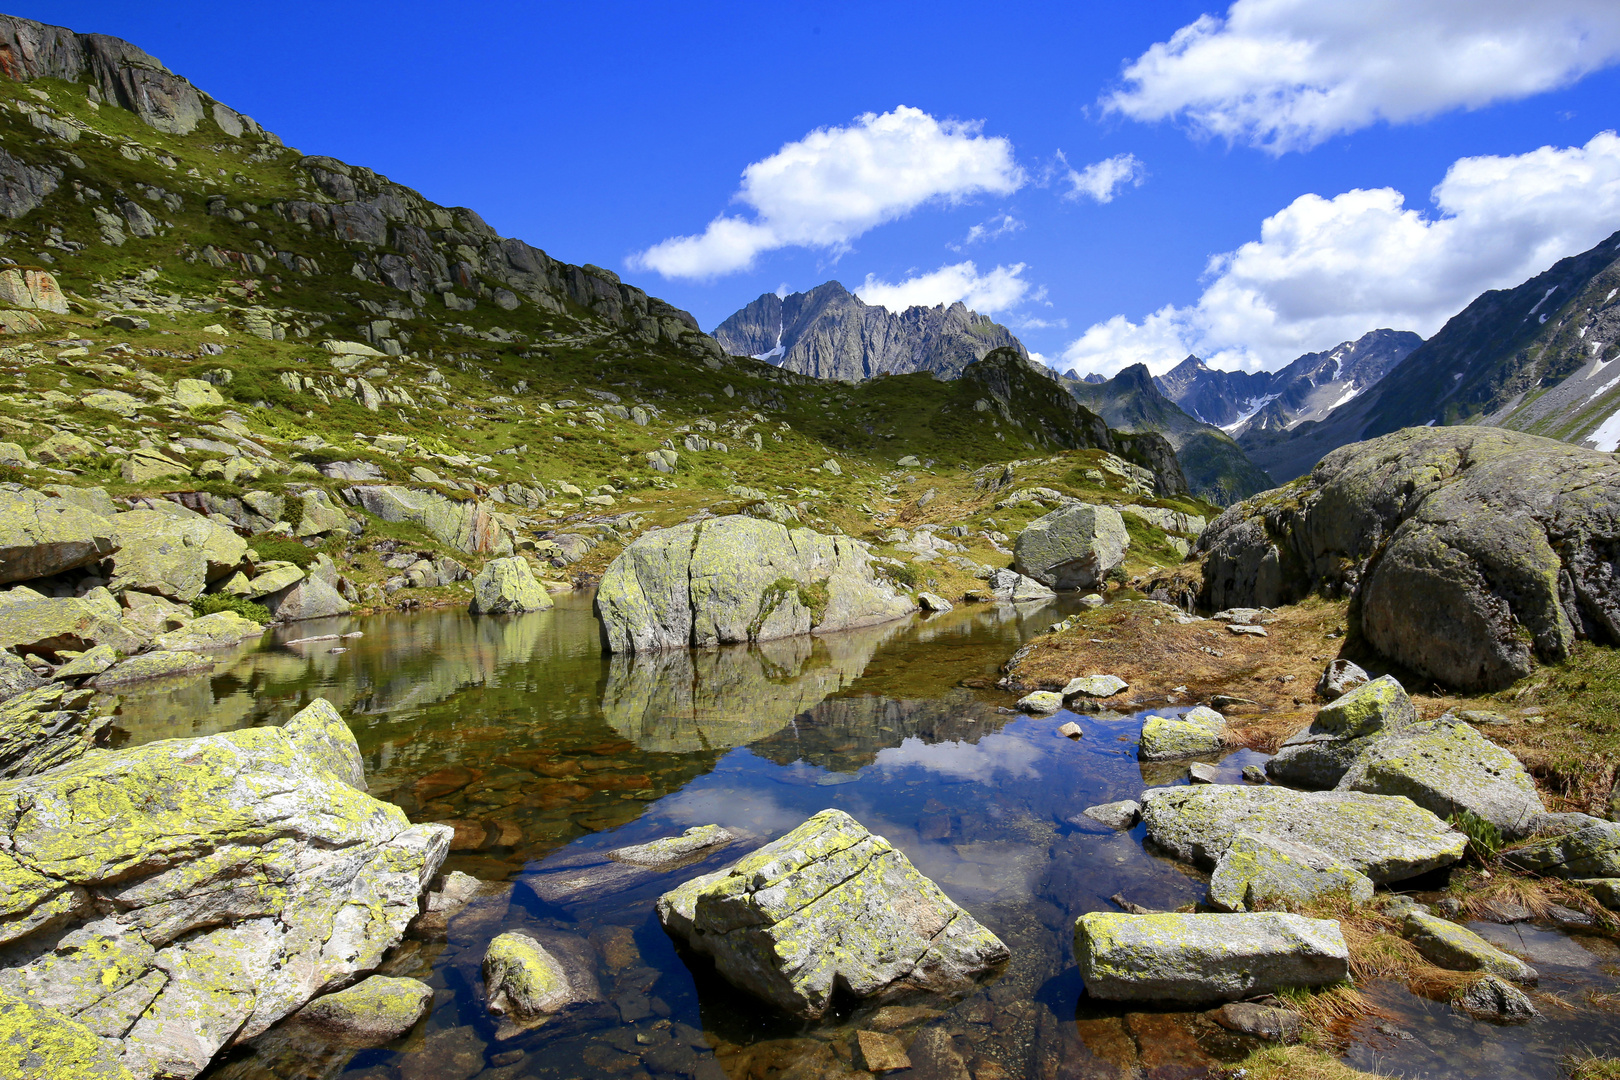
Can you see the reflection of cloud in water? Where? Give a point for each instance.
(965, 761)
(749, 810)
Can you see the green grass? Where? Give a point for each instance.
(278, 549)
(209, 603)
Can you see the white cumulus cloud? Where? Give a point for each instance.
(1327, 270)
(995, 290)
(837, 183)
(1289, 74)
(1102, 179)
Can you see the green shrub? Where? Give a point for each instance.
(904, 574)
(280, 549)
(1484, 839)
(209, 603)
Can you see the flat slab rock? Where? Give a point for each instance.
(1387, 838)
(830, 905)
(1200, 958)
(591, 876)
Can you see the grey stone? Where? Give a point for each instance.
(1041, 701)
(738, 579)
(1198, 958)
(374, 1011)
(830, 906)
(1073, 547)
(1116, 815)
(933, 602)
(1258, 872)
(1387, 838)
(507, 586)
(311, 598)
(1096, 686)
(1339, 678)
(16, 677)
(1460, 949)
(41, 729)
(1493, 998)
(1592, 852)
(1200, 730)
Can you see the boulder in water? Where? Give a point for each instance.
(373, 1011)
(508, 586)
(830, 906)
(1073, 547)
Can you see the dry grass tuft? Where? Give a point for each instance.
(1296, 1063)
(1588, 1066)
(1476, 893)
(1334, 1007)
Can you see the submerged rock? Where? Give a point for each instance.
(1073, 547)
(508, 586)
(1388, 838)
(227, 880)
(739, 579)
(1198, 958)
(1493, 998)
(1460, 949)
(1201, 730)
(830, 905)
(1261, 1021)
(373, 1011)
(1445, 766)
(1259, 872)
(1116, 815)
(526, 982)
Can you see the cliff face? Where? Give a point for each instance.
(830, 333)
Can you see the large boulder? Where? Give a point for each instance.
(311, 598)
(1257, 872)
(373, 1011)
(1445, 766)
(467, 526)
(33, 623)
(172, 552)
(1073, 547)
(1470, 550)
(739, 579)
(1387, 838)
(41, 536)
(508, 586)
(184, 896)
(830, 907)
(1206, 958)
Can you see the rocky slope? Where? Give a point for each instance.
(830, 333)
(1309, 388)
(1216, 467)
(1530, 358)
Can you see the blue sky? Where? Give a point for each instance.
(1382, 161)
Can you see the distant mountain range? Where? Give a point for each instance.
(1307, 389)
(1535, 358)
(1215, 465)
(829, 333)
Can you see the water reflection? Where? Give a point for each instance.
(542, 753)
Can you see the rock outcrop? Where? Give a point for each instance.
(508, 586)
(41, 536)
(183, 896)
(1470, 551)
(738, 579)
(830, 906)
(467, 526)
(1206, 958)
(1073, 547)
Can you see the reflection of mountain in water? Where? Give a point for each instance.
(845, 734)
(682, 701)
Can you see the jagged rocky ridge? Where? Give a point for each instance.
(830, 333)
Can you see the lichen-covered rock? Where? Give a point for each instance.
(672, 851)
(16, 677)
(1319, 756)
(933, 602)
(1203, 958)
(41, 536)
(41, 1043)
(1445, 766)
(226, 881)
(87, 664)
(221, 630)
(739, 579)
(1495, 999)
(1041, 701)
(1096, 686)
(43, 728)
(1469, 551)
(1605, 891)
(467, 526)
(269, 577)
(1011, 585)
(1460, 949)
(1259, 872)
(1073, 547)
(321, 516)
(830, 906)
(523, 979)
(152, 665)
(1200, 730)
(311, 598)
(508, 586)
(1592, 852)
(373, 1011)
(47, 624)
(1388, 838)
(171, 555)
